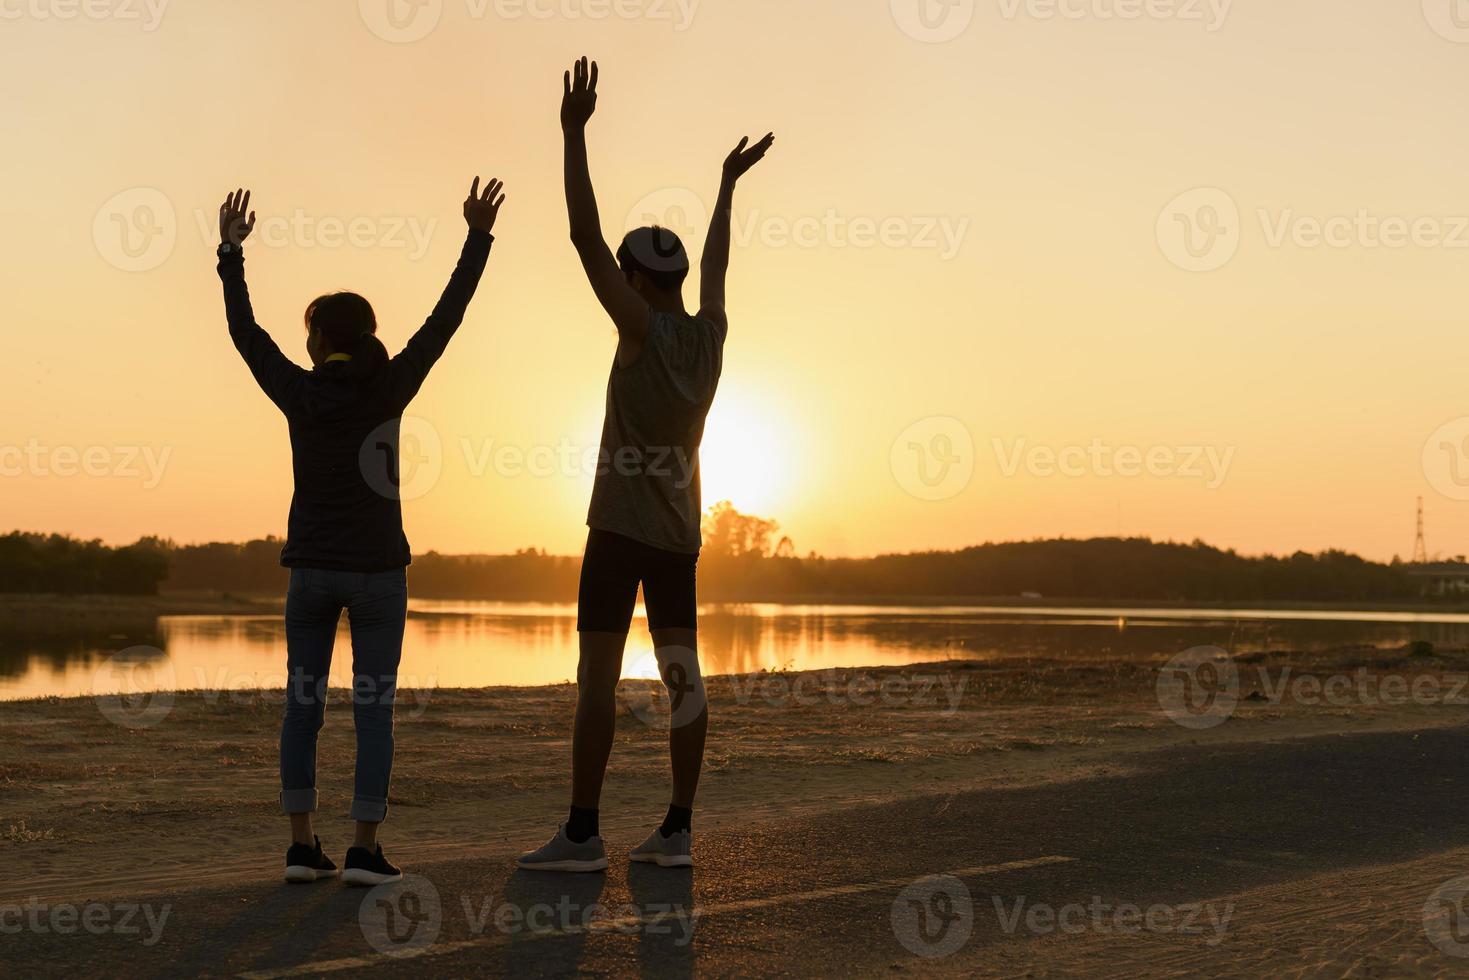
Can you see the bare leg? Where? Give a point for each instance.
(689, 712)
(596, 714)
(301, 831)
(366, 835)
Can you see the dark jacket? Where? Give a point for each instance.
(346, 512)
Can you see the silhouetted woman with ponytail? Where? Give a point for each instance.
(345, 544)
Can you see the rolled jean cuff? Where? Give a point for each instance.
(367, 810)
(299, 800)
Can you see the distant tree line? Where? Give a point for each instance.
(55, 563)
(740, 563)
(1097, 568)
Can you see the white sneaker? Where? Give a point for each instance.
(666, 852)
(561, 853)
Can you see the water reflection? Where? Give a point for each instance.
(459, 644)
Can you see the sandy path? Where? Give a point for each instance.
(82, 796)
(1323, 852)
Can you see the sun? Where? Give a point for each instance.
(745, 457)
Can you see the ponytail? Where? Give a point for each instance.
(369, 358)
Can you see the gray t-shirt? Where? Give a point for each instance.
(647, 485)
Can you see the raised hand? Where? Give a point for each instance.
(580, 98)
(481, 210)
(741, 159)
(234, 228)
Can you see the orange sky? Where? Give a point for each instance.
(970, 253)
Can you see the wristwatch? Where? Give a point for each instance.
(228, 249)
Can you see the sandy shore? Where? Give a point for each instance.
(83, 796)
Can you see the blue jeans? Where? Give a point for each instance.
(377, 606)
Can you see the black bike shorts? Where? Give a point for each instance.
(612, 568)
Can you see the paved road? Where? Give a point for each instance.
(839, 894)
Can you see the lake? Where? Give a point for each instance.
(478, 644)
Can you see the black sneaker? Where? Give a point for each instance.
(306, 862)
(366, 867)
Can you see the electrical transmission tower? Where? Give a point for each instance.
(1420, 545)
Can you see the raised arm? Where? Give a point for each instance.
(627, 309)
(275, 373)
(715, 264)
(408, 370)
